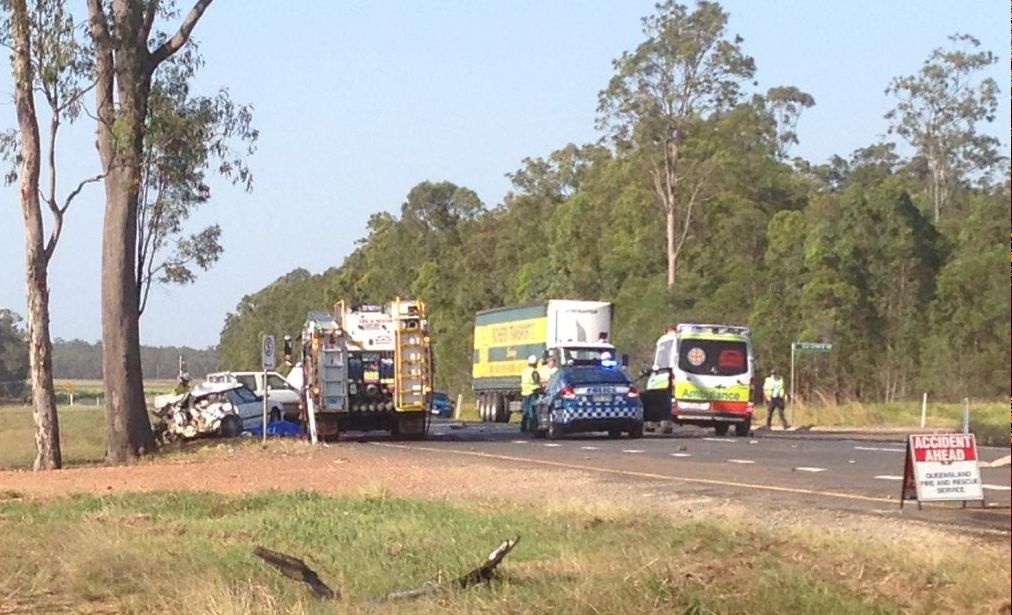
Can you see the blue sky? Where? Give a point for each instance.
(356, 102)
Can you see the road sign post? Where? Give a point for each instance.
(802, 347)
(267, 352)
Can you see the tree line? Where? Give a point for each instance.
(691, 208)
(81, 360)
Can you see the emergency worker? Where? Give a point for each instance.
(530, 385)
(773, 392)
(547, 371)
(183, 386)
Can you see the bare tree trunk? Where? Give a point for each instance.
(124, 66)
(47, 429)
(672, 254)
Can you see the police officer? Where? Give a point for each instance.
(530, 384)
(773, 391)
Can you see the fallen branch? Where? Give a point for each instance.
(295, 568)
(482, 573)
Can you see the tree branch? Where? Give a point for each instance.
(179, 39)
(149, 21)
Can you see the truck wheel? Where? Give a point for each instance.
(636, 431)
(483, 408)
(721, 429)
(743, 428)
(502, 409)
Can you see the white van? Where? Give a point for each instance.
(282, 398)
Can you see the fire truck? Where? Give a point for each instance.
(367, 367)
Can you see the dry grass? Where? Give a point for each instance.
(154, 552)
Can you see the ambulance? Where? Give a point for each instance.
(702, 375)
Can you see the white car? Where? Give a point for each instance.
(223, 408)
(282, 396)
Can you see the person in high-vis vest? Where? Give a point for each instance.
(530, 385)
(547, 371)
(773, 391)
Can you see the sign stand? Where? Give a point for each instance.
(942, 467)
(266, 362)
(909, 489)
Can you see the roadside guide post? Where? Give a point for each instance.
(266, 362)
(800, 347)
(966, 415)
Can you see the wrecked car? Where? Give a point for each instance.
(207, 409)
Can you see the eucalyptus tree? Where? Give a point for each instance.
(47, 60)
(127, 53)
(686, 70)
(938, 110)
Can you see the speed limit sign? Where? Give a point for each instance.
(267, 352)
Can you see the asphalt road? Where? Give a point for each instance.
(853, 472)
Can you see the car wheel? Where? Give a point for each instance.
(274, 416)
(721, 429)
(636, 431)
(614, 433)
(554, 431)
(743, 428)
(230, 426)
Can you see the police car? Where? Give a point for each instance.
(583, 398)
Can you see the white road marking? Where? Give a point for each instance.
(810, 469)
(552, 445)
(997, 487)
(631, 450)
(681, 454)
(588, 448)
(888, 477)
(520, 442)
(740, 461)
(724, 440)
(880, 448)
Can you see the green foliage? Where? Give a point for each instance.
(837, 252)
(186, 137)
(13, 354)
(937, 112)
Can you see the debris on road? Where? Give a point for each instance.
(295, 568)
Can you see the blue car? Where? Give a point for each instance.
(441, 405)
(582, 398)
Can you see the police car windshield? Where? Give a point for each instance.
(583, 354)
(713, 357)
(592, 375)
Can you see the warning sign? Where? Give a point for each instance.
(942, 467)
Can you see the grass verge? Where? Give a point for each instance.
(988, 420)
(152, 552)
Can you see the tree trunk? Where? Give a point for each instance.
(128, 427)
(124, 66)
(672, 254)
(47, 430)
